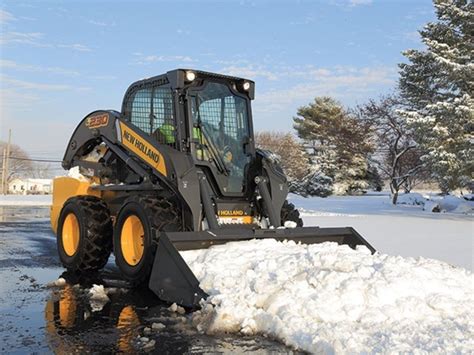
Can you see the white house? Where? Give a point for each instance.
(27, 186)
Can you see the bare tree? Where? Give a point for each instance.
(19, 163)
(42, 170)
(294, 160)
(397, 155)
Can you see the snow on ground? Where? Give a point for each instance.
(329, 298)
(404, 230)
(435, 203)
(98, 297)
(25, 200)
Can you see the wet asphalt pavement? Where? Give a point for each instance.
(39, 318)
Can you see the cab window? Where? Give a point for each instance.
(152, 112)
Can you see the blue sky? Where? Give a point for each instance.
(60, 60)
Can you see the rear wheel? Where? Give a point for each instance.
(84, 236)
(135, 232)
(290, 213)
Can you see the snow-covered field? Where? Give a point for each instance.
(25, 200)
(396, 230)
(327, 298)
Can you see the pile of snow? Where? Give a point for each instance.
(455, 204)
(60, 282)
(449, 203)
(468, 197)
(98, 297)
(329, 298)
(75, 173)
(413, 199)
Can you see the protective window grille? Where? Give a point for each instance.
(152, 112)
(222, 116)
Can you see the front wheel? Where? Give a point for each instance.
(135, 232)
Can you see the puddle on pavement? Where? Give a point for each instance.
(40, 318)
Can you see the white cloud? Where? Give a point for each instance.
(148, 59)
(33, 86)
(29, 38)
(340, 82)
(35, 39)
(183, 32)
(6, 16)
(347, 4)
(103, 77)
(249, 71)
(304, 21)
(10, 64)
(28, 85)
(76, 46)
(101, 23)
(241, 68)
(12, 98)
(28, 18)
(360, 2)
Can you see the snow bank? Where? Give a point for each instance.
(455, 204)
(449, 203)
(25, 200)
(329, 298)
(413, 198)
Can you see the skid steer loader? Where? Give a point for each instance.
(176, 169)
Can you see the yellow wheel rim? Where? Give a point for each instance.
(128, 326)
(67, 307)
(131, 240)
(70, 234)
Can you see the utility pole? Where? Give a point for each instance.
(4, 158)
(6, 163)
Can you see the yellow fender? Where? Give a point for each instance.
(65, 188)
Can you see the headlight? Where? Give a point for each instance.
(246, 85)
(190, 76)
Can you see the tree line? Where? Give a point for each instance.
(423, 131)
(20, 164)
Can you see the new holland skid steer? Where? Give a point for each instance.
(176, 169)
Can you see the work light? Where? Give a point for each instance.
(190, 76)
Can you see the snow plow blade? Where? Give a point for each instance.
(173, 281)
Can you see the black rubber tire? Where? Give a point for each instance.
(290, 213)
(95, 236)
(155, 214)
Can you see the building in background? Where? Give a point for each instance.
(27, 186)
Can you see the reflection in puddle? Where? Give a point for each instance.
(128, 323)
(71, 323)
(36, 318)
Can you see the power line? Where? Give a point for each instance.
(38, 160)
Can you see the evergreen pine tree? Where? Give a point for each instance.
(437, 84)
(338, 142)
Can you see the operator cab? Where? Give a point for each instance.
(221, 131)
(206, 114)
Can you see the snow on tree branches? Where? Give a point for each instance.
(437, 85)
(397, 154)
(338, 143)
